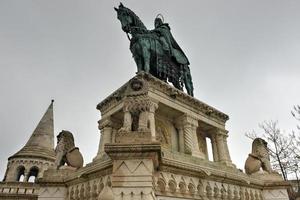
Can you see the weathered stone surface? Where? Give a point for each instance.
(157, 151)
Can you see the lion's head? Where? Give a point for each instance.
(65, 139)
(260, 148)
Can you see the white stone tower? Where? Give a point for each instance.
(37, 155)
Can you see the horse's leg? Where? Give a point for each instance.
(146, 55)
(136, 52)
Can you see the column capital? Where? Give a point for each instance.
(152, 107)
(105, 123)
(186, 120)
(222, 132)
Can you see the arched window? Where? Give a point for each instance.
(20, 173)
(33, 173)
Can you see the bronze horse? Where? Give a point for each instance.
(147, 49)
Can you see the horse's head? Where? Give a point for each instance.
(129, 20)
(125, 18)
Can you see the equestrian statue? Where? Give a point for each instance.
(156, 51)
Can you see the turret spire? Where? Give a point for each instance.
(43, 135)
(38, 153)
(41, 142)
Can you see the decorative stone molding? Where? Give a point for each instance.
(91, 189)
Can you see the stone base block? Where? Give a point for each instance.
(275, 194)
(55, 192)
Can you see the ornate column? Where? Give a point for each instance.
(189, 125)
(223, 152)
(105, 127)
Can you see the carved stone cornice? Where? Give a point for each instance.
(183, 97)
(153, 84)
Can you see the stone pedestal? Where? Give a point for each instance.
(52, 185)
(133, 168)
(275, 188)
(52, 192)
(275, 194)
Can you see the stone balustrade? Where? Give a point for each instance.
(18, 189)
(180, 186)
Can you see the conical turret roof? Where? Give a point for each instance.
(41, 142)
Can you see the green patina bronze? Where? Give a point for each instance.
(156, 51)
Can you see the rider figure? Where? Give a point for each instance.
(170, 46)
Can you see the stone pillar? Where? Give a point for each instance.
(214, 148)
(151, 119)
(127, 120)
(189, 127)
(221, 143)
(180, 138)
(113, 137)
(143, 121)
(105, 127)
(26, 175)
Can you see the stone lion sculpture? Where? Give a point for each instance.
(259, 158)
(66, 152)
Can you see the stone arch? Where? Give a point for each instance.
(33, 174)
(20, 173)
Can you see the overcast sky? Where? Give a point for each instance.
(244, 59)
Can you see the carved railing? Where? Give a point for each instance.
(168, 184)
(18, 189)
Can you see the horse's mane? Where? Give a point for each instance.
(137, 20)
